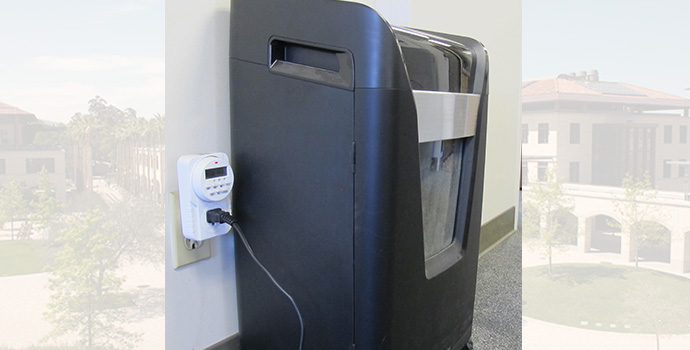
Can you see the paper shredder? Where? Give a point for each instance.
(358, 151)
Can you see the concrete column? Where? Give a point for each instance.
(626, 244)
(678, 253)
(584, 234)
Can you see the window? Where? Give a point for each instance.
(668, 133)
(525, 133)
(667, 168)
(34, 165)
(541, 171)
(574, 133)
(574, 172)
(683, 134)
(3, 137)
(2, 166)
(525, 173)
(440, 163)
(543, 132)
(681, 169)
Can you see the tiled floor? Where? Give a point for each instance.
(498, 304)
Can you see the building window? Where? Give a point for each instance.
(574, 133)
(543, 132)
(574, 172)
(667, 168)
(681, 168)
(668, 133)
(2, 166)
(525, 133)
(541, 171)
(525, 173)
(34, 165)
(3, 137)
(683, 134)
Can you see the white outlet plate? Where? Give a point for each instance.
(181, 254)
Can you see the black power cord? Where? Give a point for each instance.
(220, 216)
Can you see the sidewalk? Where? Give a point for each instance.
(569, 254)
(537, 335)
(24, 299)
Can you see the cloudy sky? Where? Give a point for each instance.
(57, 55)
(634, 41)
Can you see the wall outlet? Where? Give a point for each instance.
(184, 251)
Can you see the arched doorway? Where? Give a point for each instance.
(606, 235)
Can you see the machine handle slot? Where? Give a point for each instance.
(313, 63)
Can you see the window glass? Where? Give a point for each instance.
(543, 132)
(440, 165)
(34, 165)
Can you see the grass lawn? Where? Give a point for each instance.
(607, 298)
(24, 257)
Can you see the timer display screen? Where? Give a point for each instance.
(216, 172)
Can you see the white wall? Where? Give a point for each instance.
(200, 299)
(498, 25)
(203, 294)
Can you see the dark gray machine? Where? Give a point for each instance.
(358, 152)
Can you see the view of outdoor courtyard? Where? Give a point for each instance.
(81, 263)
(605, 175)
(606, 214)
(81, 175)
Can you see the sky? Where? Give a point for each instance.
(57, 55)
(646, 43)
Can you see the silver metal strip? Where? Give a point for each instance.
(445, 115)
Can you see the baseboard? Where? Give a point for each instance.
(496, 230)
(230, 343)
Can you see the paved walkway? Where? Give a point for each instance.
(24, 298)
(537, 335)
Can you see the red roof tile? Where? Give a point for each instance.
(6, 109)
(566, 87)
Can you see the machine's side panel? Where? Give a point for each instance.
(292, 157)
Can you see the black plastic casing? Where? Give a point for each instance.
(327, 184)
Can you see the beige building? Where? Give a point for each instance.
(597, 131)
(20, 159)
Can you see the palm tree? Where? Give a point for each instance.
(80, 130)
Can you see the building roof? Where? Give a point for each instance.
(12, 111)
(590, 89)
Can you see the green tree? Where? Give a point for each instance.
(654, 307)
(88, 296)
(80, 131)
(638, 215)
(46, 208)
(543, 205)
(13, 203)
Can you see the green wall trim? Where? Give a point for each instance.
(496, 230)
